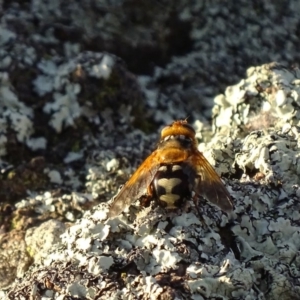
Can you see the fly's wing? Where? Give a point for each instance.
(208, 183)
(136, 186)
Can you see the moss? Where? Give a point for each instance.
(76, 146)
(30, 252)
(11, 175)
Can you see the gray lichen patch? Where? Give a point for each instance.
(62, 80)
(268, 97)
(41, 238)
(107, 249)
(154, 252)
(275, 155)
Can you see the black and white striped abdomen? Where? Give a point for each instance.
(171, 185)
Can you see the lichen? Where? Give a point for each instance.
(75, 124)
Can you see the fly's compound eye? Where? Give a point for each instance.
(178, 128)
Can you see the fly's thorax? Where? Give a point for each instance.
(171, 185)
(180, 127)
(175, 149)
(176, 141)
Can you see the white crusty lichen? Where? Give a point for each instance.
(267, 97)
(41, 238)
(65, 205)
(15, 115)
(55, 78)
(276, 155)
(65, 108)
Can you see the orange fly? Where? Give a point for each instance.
(174, 172)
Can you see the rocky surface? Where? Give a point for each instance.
(253, 253)
(84, 90)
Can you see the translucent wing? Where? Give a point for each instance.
(208, 183)
(136, 186)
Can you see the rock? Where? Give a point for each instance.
(84, 91)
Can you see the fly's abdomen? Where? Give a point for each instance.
(171, 185)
